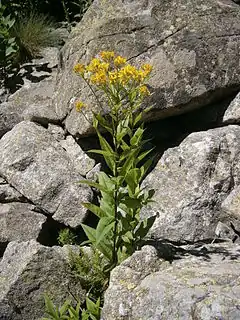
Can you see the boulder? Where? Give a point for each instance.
(32, 102)
(28, 270)
(36, 165)
(192, 45)
(81, 161)
(191, 182)
(19, 222)
(56, 131)
(8, 193)
(232, 114)
(201, 283)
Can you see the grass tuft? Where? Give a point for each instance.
(33, 33)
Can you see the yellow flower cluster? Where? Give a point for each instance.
(110, 70)
(80, 105)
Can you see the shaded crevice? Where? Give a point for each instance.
(3, 246)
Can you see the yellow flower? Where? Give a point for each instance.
(147, 68)
(104, 66)
(79, 68)
(107, 55)
(113, 76)
(128, 73)
(143, 90)
(99, 78)
(93, 65)
(119, 61)
(80, 105)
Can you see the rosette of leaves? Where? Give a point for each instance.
(120, 229)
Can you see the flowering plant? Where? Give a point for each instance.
(120, 229)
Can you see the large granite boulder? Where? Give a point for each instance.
(192, 45)
(19, 222)
(232, 114)
(33, 101)
(37, 166)
(200, 284)
(28, 270)
(191, 183)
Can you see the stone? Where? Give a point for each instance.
(49, 57)
(29, 270)
(191, 182)
(42, 114)
(82, 162)
(19, 222)
(192, 45)
(56, 131)
(199, 284)
(9, 194)
(33, 101)
(232, 114)
(36, 165)
(231, 207)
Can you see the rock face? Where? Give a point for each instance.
(232, 114)
(19, 222)
(27, 271)
(204, 285)
(36, 165)
(192, 45)
(191, 182)
(37, 106)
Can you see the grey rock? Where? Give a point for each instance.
(82, 162)
(192, 45)
(28, 270)
(225, 232)
(232, 114)
(201, 284)
(42, 114)
(56, 131)
(18, 222)
(49, 57)
(9, 194)
(38, 95)
(191, 182)
(35, 164)
(93, 174)
(231, 207)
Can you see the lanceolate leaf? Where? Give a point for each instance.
(94, 209)
(110, 156)
(105, 225)
(95, 185)
(90, 233)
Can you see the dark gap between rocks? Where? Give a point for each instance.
(3, 246)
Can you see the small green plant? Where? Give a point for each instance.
(68, 312)
(120, 229)
(66, 236)
(89, 267)
(34, 32)
(8, 45)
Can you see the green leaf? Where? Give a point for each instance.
(137, 137)
(94, 209)
(133, 178)
(105, 225)
(146, 166)
(64, 307)
(137, 119)
(145, 226)
(143, 155)
(103, 122)
(90, 233)
(50, 308)
(110, 157)
(95, 185)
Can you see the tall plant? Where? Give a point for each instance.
(120, 228)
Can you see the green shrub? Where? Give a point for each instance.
(66, 236)
(8, 45)
(68, 312)
(33, 33)
(89, 267)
